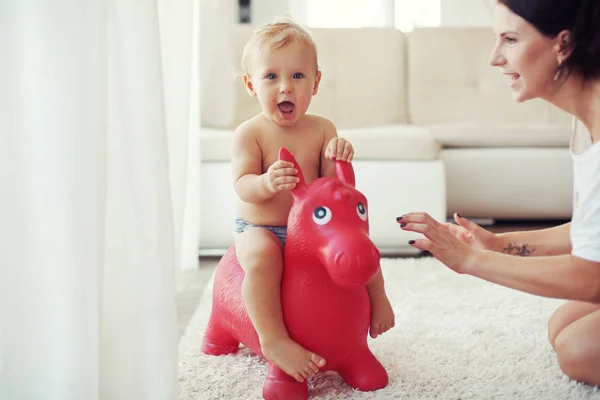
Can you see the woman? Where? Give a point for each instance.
(548, 49)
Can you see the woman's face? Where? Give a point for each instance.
(528, 58)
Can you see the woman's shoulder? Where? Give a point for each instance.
(581, 139)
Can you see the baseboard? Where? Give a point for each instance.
(385, 252)
(211, 252)
(476, 220)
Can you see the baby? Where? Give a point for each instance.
(281, 70)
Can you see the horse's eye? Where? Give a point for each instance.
(362, 211)
(322, 215)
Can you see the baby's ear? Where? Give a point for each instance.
(285, 155)
(345, 172)
(317, 82)
(248, 84)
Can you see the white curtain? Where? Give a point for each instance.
(97, 99)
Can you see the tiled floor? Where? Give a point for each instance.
(191, 283)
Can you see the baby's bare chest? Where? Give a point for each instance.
(306, 149)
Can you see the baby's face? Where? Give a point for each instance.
(284, 80)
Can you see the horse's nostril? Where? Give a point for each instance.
(353, 260)
(340, 258)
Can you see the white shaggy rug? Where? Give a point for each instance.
(456, 337)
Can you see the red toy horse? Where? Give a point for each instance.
(328, 261)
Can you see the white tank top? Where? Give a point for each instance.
(585, 224)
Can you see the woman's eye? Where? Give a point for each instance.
(510, 40)
(298, 75)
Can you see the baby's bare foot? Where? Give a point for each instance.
(292, 358)
(382, 315)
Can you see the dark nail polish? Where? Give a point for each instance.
(411, 242)
(398, 218)
(402, 225)
(458, 215)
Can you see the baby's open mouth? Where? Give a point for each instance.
(286, 107)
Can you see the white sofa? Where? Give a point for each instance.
(434, 127)
(394, 180)
(498, 154)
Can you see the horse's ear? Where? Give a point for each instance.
(345, 172)
(285, 155)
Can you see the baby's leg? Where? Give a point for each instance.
(574, 329)
(382, 315)
(259, 253)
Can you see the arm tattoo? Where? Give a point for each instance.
(522, 251)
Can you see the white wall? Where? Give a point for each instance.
(420, 12)
(410, 14)
(217, 20)
(324, 13)
(467, 12)
(350, 13)
(263, 11)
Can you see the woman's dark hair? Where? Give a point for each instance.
(580, 17)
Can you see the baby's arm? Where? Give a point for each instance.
(246, 164)
(334, 148)
(327, 162)
(251, 185)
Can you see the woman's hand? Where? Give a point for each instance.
(454, 249)
(472, 234)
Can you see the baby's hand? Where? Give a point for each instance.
(281, 175)
(339, 149)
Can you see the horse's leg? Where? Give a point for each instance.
(281, 386)
(218, 341)
(364, 372)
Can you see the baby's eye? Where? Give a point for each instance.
(298, 75)
(271, 76)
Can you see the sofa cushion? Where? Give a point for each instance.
(509, 183)
(450, 80)
(394, 142)
(500, 135)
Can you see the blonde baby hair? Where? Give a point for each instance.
(275, 35)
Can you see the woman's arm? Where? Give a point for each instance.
(537, 243)
(562, 276)
(565, 276)
(543, 242)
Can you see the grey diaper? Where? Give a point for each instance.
(239, 226)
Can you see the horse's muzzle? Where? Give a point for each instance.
(352, 263)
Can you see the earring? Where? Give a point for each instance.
(558, 70)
